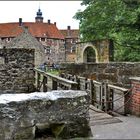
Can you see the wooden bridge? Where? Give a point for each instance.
(103, 96)
(46, 82)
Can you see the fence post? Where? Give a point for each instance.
(92, 92)
(74, 86)
(54, 85)
(38, 81)
(78, 83)
(45, 84)
(107, 102)
(110, 99)
(103, 97)
(86, 80)
(127, 103)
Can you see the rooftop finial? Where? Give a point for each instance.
(39, 17)
(39, 5)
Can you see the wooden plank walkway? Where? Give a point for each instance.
(98, 117)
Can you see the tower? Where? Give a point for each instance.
(39, 17)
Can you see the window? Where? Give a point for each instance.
(47, 50)
(8, 39)
(2, 60)
(43, 39)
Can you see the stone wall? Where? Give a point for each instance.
(16, 70)
(70, 57)
(115, 73)
(57, 114)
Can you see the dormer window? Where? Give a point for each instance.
(43, 39)
(8, 39)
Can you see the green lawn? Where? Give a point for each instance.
(54, 72)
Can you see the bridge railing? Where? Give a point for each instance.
(45, 81)
(103, 95)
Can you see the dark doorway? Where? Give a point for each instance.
(89, 55)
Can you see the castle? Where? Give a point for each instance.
(59, 45)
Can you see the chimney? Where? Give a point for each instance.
(49, 21)
(68, 31)
(55, 23)
(68, 27)
(20, 21)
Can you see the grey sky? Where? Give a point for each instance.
(60, 12)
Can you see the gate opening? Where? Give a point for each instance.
(89, 55)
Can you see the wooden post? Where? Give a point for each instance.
(100, 96)
(110, 99)
(127, 103)
(78, 82)
(106, 96)
(86, 83)
(54, 85)
(103, 97)
(45, 84)
(35, 81)
(93, 93)
(38, 80)
(73, 86)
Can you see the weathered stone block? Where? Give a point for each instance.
(57, 114)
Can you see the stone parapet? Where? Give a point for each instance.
(116, 73)
(57, 114)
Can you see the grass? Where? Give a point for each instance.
(54, 72)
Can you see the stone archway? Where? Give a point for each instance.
(89, 54)
(95, 51)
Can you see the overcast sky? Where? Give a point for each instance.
(60, 12)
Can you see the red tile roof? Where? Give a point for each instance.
(36, 29)
(73, 33)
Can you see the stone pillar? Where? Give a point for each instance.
(135, 98)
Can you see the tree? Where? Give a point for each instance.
(117, 20)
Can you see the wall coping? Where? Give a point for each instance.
(135, 78)
(52, 95)
(89, 63)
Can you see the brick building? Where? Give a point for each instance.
(71, 37)
(56, 43)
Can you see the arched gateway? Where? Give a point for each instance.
(89, 54)
(96, 51)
